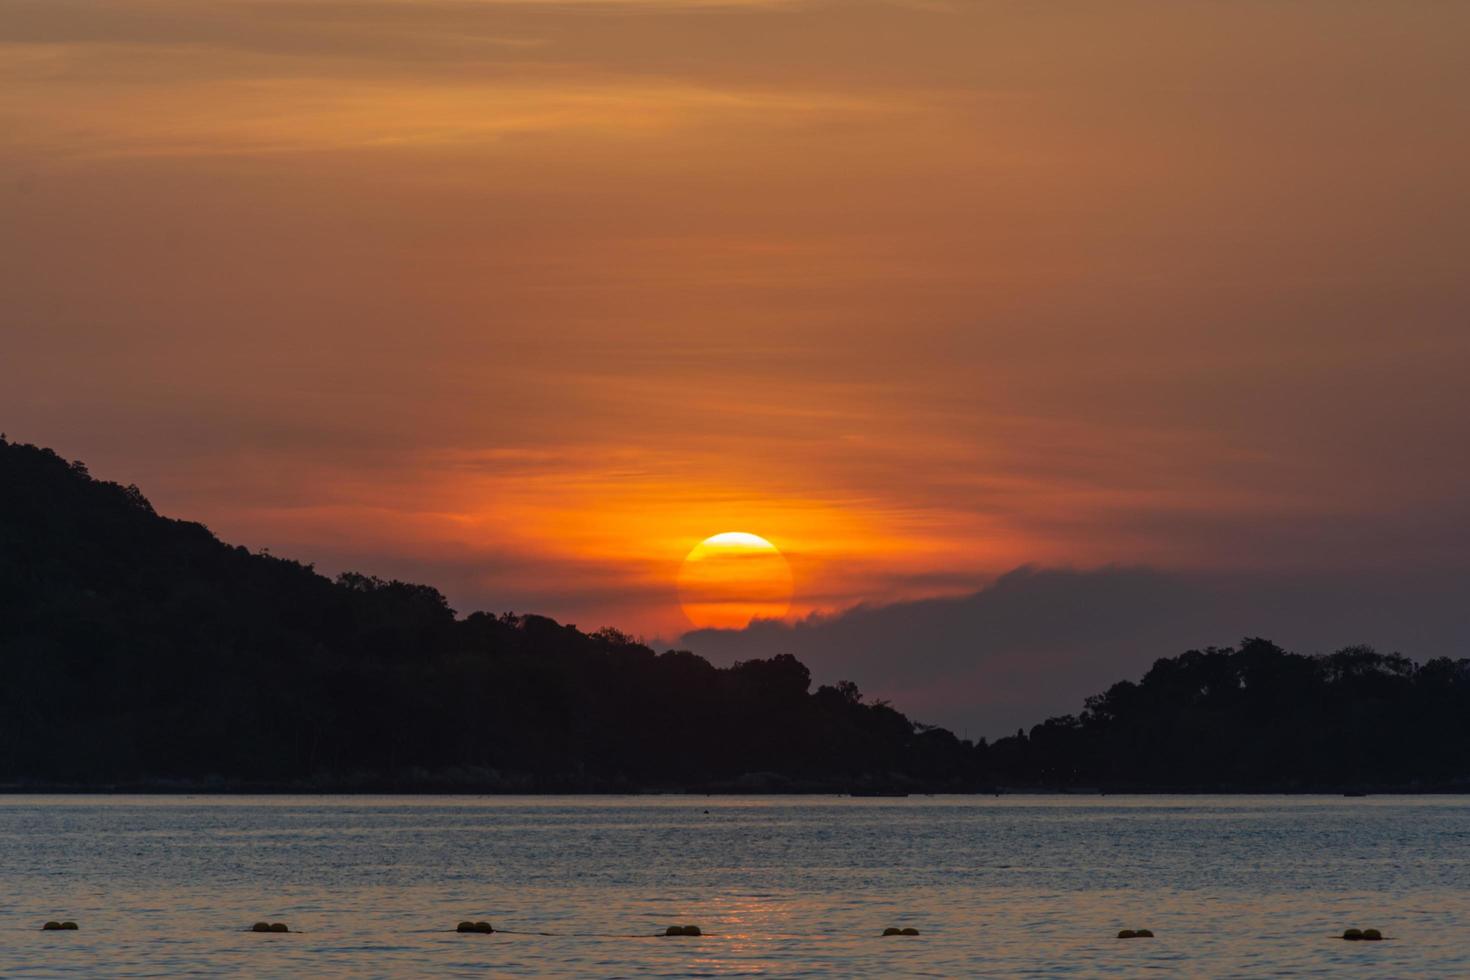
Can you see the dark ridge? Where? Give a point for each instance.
(1258, 718)
(141, 653)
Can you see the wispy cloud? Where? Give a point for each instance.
(920, 291)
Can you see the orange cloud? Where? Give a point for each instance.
(529, 298)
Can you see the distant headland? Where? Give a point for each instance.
(141, 653)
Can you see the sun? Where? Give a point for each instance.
(731, 578)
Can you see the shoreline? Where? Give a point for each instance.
(391, 789)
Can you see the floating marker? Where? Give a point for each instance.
(683, 931)
(909, 932)
(1353, 934)
(1372, 935)
(891, 931)
(1143, 934)
(53, 926)
(468, 926)
(261, 927)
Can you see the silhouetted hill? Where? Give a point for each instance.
(1258, 717)
(136, 650)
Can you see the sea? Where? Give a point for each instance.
(996, 886)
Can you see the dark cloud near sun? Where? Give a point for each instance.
(1036, 642)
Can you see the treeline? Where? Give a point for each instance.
(1259, 718)
(139, 651)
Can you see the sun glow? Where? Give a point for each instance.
(729, 579)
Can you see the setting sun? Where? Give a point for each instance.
(729, 579)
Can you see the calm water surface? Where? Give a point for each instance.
(1009, 886)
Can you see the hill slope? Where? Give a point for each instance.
(139, 649)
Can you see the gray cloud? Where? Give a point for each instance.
(1036, 642)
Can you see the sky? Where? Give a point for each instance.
(524, 299)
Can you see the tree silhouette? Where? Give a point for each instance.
(139, 650)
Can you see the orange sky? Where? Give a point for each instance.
(524, 299)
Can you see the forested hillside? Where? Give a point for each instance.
(140, 651)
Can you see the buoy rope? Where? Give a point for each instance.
(593, 935)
